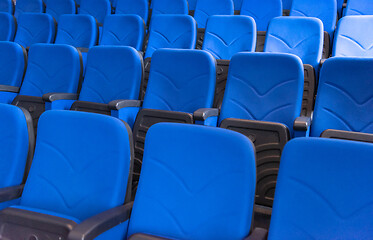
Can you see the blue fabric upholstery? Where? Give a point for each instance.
(192, 4)
(207, 8)
(227, 35)
(181, 80)
(99, 9)
(124, 30)
(81, 164)
(139, 7)
(77, 30)
(28, 6)
(7, 27)
(237, 4)
(14, 145)
(171, 31)
(340, 7)
(354, 37)
(180, 196)
(262, 11)
(12, 62)
(169, 7)
(302, 36)
(286, 4)
(325, 10)
(113, 72)
(35, 28)
(344, 98)
(6, 6)
(56, 8)
(324, 191)
(359, 7)
(264, 87)
(51, 68)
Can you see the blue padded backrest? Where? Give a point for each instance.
(169, 7)
(302, 36)
(354, 37)
(359, 7)
(181, 80)
(324, 191)
(7, 27)
(325, 10)
(237, 4)
(340, 7)
(228, 35)
(171, 31)
(6, 6)
(99, 9)
(286, 4)
(35, 28)
(113, 72)
(344, 97)
(81, 164)
(262, 11)
(192, 4)
(56, 8)
(207, 8)
(12, 64)
(77, 30)
(264, 87)
(125, 30)
(14, 145)
(51, 68)
(24, 6)
(186, 187)
(138, 7)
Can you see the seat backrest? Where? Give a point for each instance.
(124, 30)
(180, 180)
(35, 28)
(77, 30)
(13, 61)
(353, 37)
(28, 6)
(113, 72)
(207, 8)
(192, 4)
(171, 31)
(237, 4)
(301, 36)
(359, 7)
(8, 25)
(340, 7)
(7, 6)
(344, 96)
(169, 7)
(262, 11)
(81, 164)
(181, 80)
(325, 10)
(264, 87)
(228, 35)
(139, 7)
(286, 4)
(56, 8)
(324, 191)
(52, 68)
(99, 9)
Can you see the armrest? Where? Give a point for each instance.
(258, 234)
(51, 97)
(6, 88)
(302, 124)
(346, 135)
(203, 113)
(94, 226)
(11, 193)
(119, 104)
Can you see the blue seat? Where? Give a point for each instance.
(344, 97)
(340, 7)
(169, 7)
(139, 7)
(207, 8)
(56, 8)
(8, 25)
(359, 7)
(237, 4)
(192, 4)
(7, 6)
(323, 191)
(353, 37)
(35, 28)
(286, 4)
(124, 30)
(28, 6)
(68, 183)
(197, 194)
(99, 9)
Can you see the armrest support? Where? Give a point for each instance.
(203, 113)
(302, 123)
(346, 135)
(94, 226)
(6, 88)
(119, 104)
(51, 97)
(11, 193)
(258, 234)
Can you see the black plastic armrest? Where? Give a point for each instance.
(11, 193)
(302, 123)
(258, 234)
(347, 135)
(6, 88)
(344, 5)
(203, 113)
(119, 104)
(50, 97)
(94, 226)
